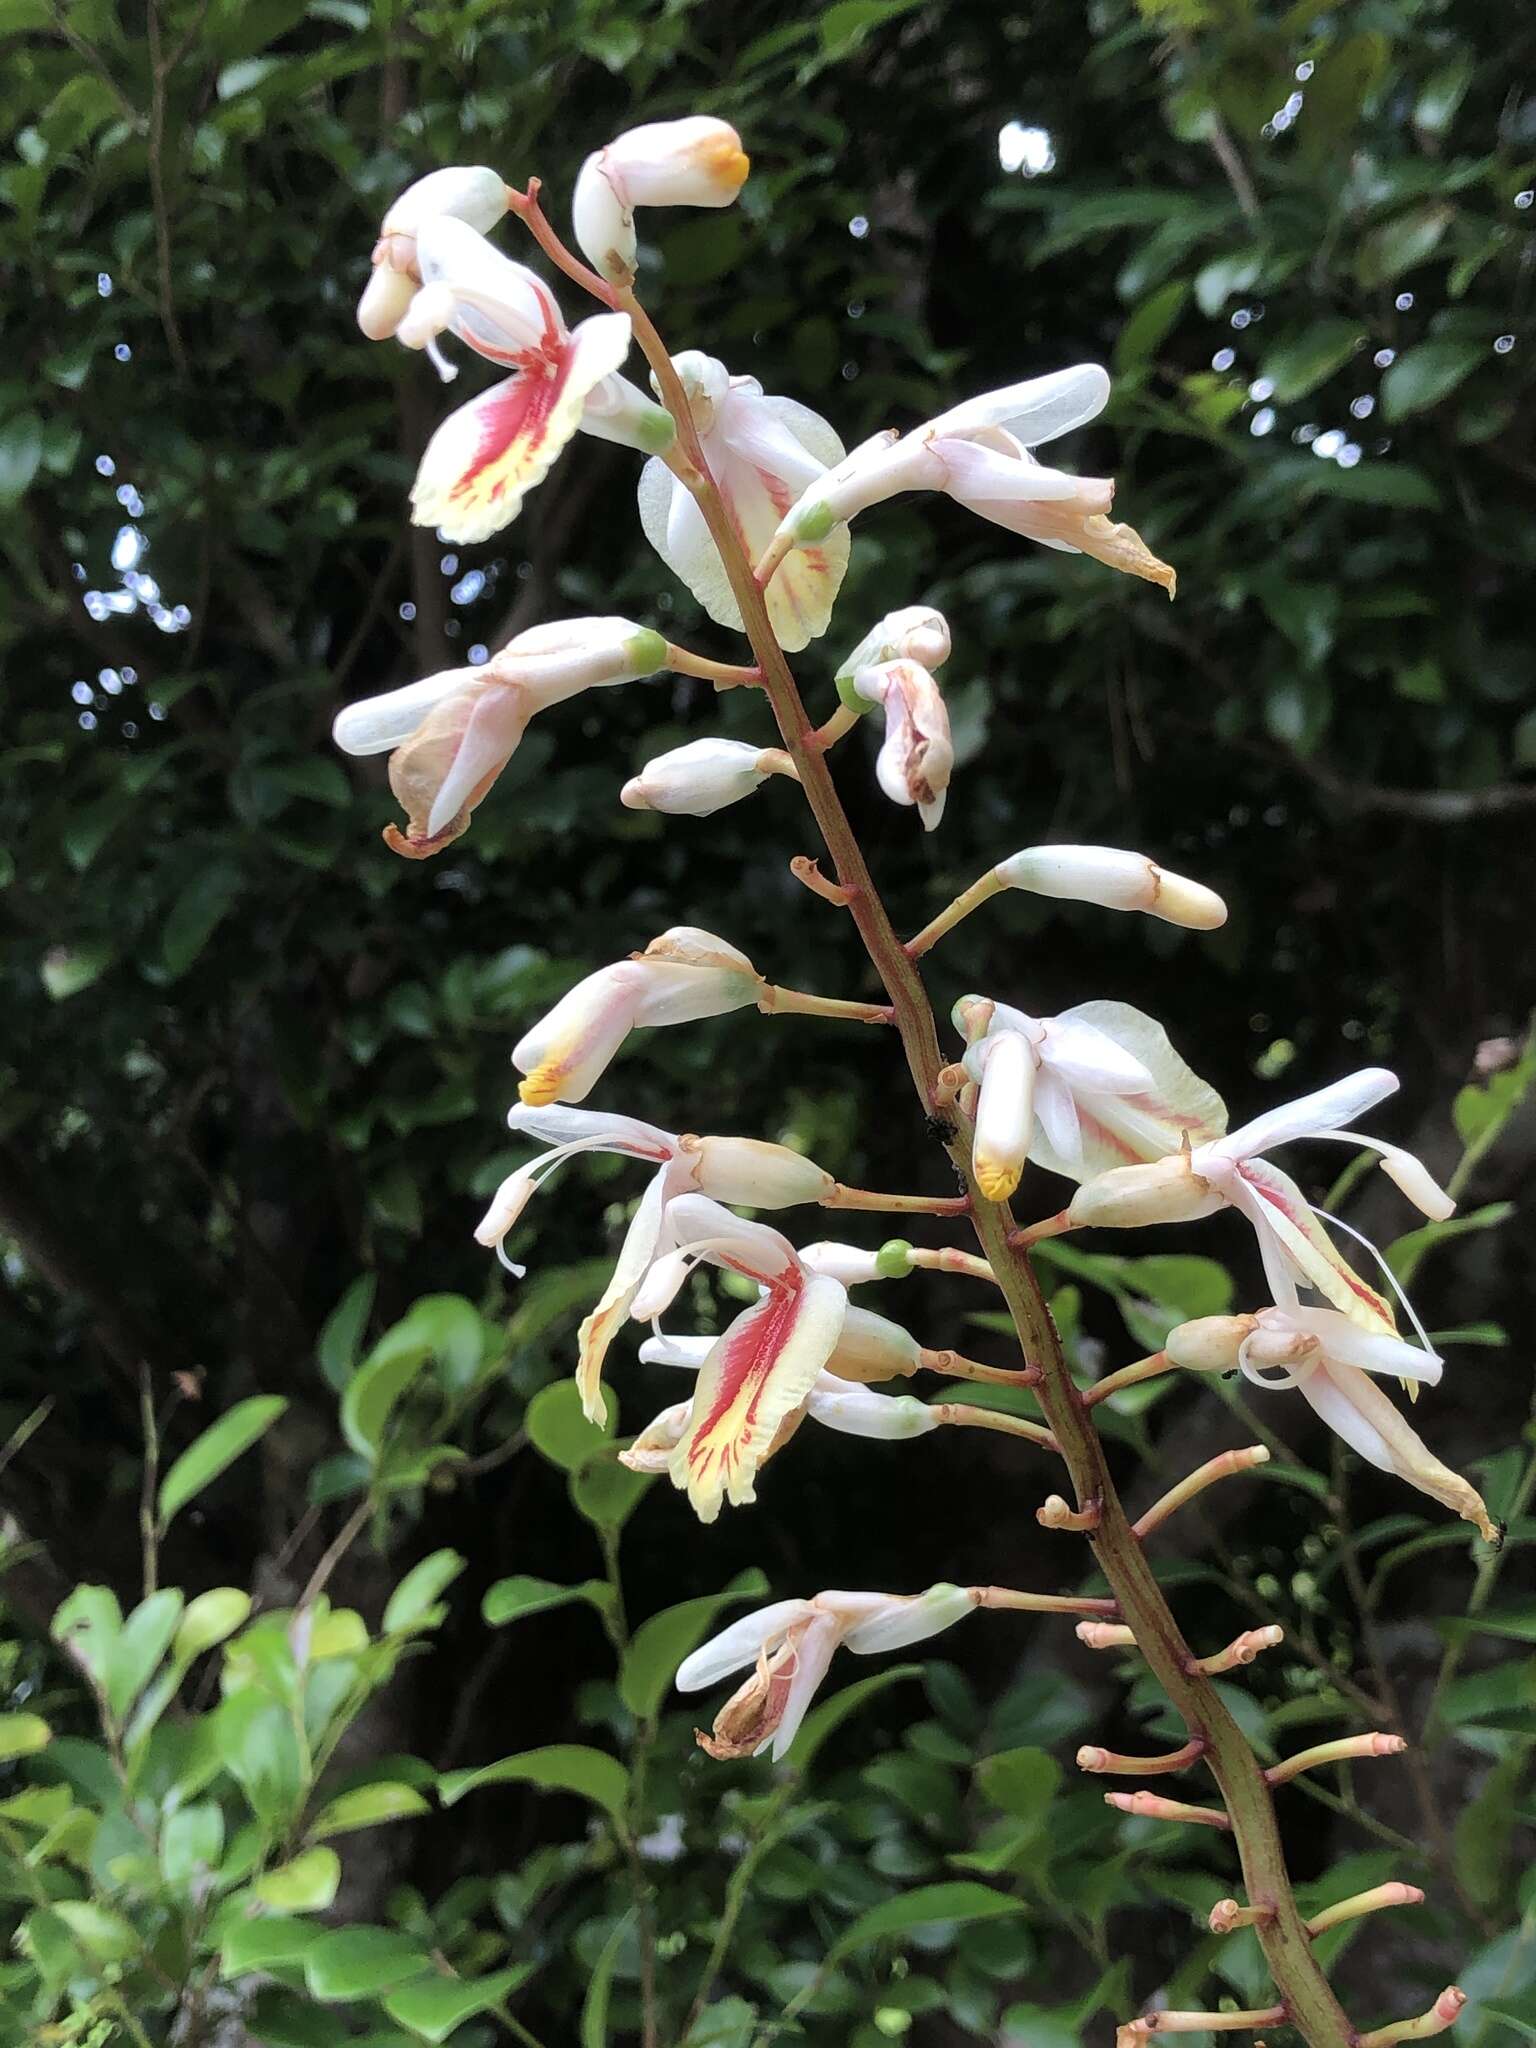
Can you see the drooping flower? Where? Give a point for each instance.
(762, 453)
(466, 192)
(979, 452)
(914, 763)
(451, 735)
(1295, 1247)
(685, 974)
(1330, 1359)
(914, 632)
(696, 780)
(485, 458)
(792, 1644)
(693, 162)
(1115, 879)
(745, 1170)
(1078, 1093)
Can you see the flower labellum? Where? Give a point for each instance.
(693, 162)
(914, 762)
(466, 192)
(451, 735)
(762, 453)
(915, 632)
(791, 1645)
(484, 459)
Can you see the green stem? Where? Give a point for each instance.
(759, 1841)
(616, 1625)
(1298, 1978)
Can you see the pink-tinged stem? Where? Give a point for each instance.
(958, 1367)
(959, 1416)
(844, 1197)
(1227, 1916)
(767, 566)
(1056, 1513)
(1152, 1806)
(528, 210)
(1241, 1650)
(1373, 1901)
(1039, 1603)
(1111, 1763)
(724, 675)
(1104, 1635)
(797, 1002)
(1198, 2023)
(826, 736)
(1309, 2000)
(807, 871)
(1020, 1240)
(1127, 1376)
(970, 899)
(1340, 1752)
(1223, 1466)
(1444, 2013)
(947, 1259)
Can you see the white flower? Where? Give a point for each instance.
(468, 192)
(694, 162)
(450, 735)
(1295, 1247)
(979, 452)
(685, 974)
(1114, 879)
(762, 452)
(792, 1644)
(915, 632)
(484, 459)
(1078, 1093)
(914, 763)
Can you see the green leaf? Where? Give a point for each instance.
(952, 1903)
(559, 1431)
(562, 1767)
(146, 1636)
(87, 1626)
(606, 1492)
(21, 454)
(103, 1934)
(1519, 1625)
(594, 2007)
(197, 913)
(660, 1644)
(516, 1598)
(435, 2009)
(191, 1843)
(1407, 1253)
(413, 1605)
(1425, 374)
(210, 1619)
(442, 1327)
(216, 1449)
(1399, 244)
(266, 1944)
(1023, 1782)
(366, 1807)
(258, 1745)
(68, 970)
(823, 1721)
(1303, 361)
(358, 1962)
(1336, 92)
(22, 1735)
(307, 1884)
(845, 24)
(341, 1335)
(1149, 326)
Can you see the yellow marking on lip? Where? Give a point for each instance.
(997, 1183)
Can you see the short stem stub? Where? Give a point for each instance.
(1227, 1916)
(1241, 1650)
(1444, 2013)
(808, 871)
(1197, 2023)
(1057, 1514)
(957, 1367)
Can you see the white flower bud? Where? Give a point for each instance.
(1114, 879)
(693, 162)
(756, 1174)
(696, 780)
(855, 1411)
(1162, 1191)
(1209, 1343)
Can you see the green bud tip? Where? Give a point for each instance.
(811, 523)
(648, 650)
(850, 699)
(658, 430)
(893, 1261)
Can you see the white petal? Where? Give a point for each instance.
(1004, 1114)
(813, 1656)
(377, 725)
(1326, 1109)
(1345, 1419)
(912, 1620)
(1057, 1113)
(1037, 410)
(846, 1406)
(737, 1646)
(688, 1353)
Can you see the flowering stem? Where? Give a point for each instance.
(774, 1001)
(844, 1197)
(1308, 2000)
(724, 674)
(969, 900)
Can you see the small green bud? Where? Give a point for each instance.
(849, 697)
(648, 650)
(893, 1261)
(657, 429)
(812, 523)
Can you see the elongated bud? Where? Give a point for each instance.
(1114, 879)
(754, 1173)
(619, 411)
(1209, 1343)
(467, 192)
(1163, 1191)
(1416, 1181)
(872, 1348)
(694, 162)
(696, 780)
(853, 1409)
